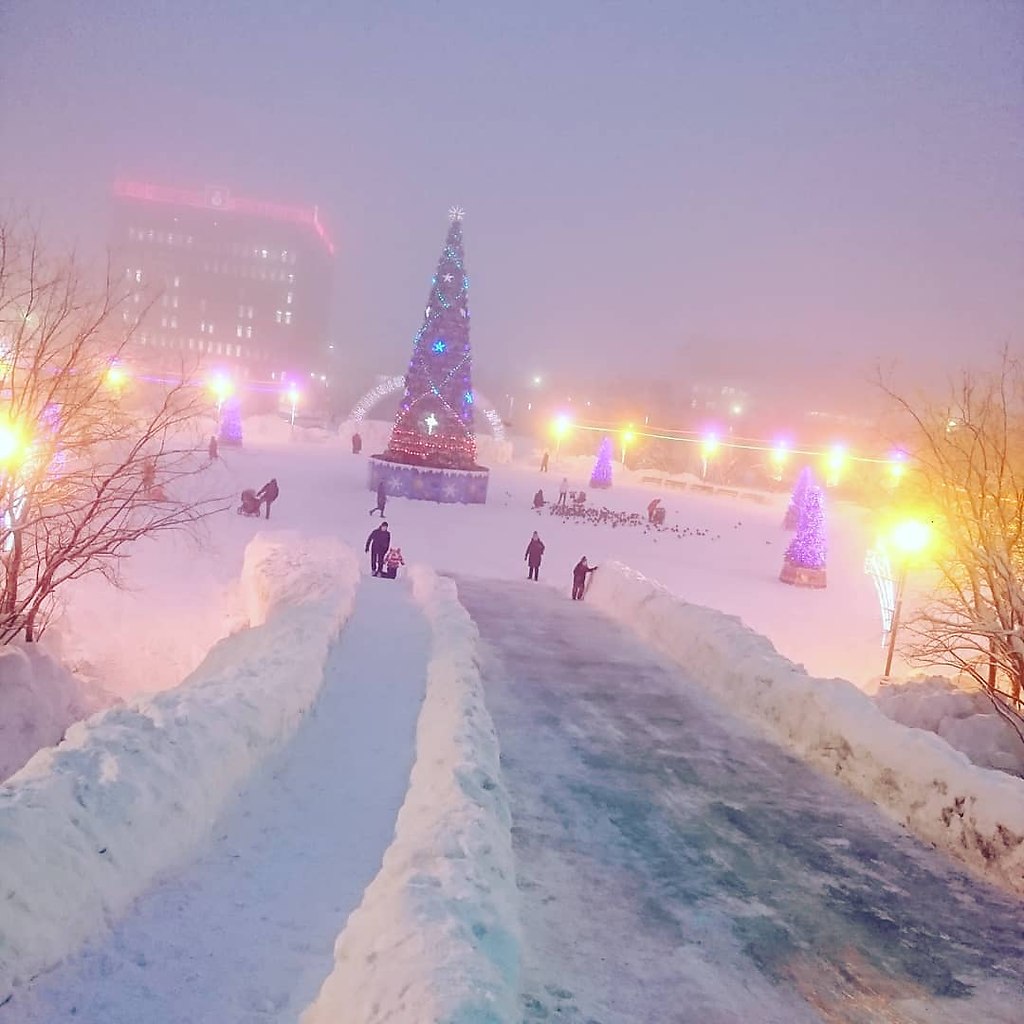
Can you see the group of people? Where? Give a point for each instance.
(534, 554)
(564, 496)
(384, 559)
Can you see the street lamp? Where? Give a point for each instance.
(708, 447)
(909, 538)
(627, 439)
(560, 428)
(835, 462)
(116, 377)
(293, 397)
(222, 388)
(779, 455)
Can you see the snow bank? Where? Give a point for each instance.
(436, 936)
(964, 718)
(974, 814)
(39, 699)
(272, 428)
(85, 827)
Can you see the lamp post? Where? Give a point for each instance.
(293, 397)
(627, 439)
(560, 428)
(909, 538)
(222, 388)
(708, 448)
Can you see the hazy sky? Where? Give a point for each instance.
(649, 186)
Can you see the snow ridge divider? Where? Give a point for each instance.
(436, 937)
(975, 814)
(130, 793)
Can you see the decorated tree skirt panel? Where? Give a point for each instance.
(424, 483)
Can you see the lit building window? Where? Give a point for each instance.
(291, 279)
(238, 351)
(177, 281)
(174, 321)
(289, 297)
(174, 302)
(238, 331)
(250, 312)
(248, 331)
(138, 276)
(288, 316)
(279, 316)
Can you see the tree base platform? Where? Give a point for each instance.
(798, 576)
(425, 483)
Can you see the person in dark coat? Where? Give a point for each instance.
(357, 443)
(378, 544)
(544, 462)
(652, 509)
(382, 499)
(212, 450)
(534, 552)
(579, 577)
(268, 493)
(538, 500)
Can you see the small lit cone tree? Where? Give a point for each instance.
(230, 432)
(796, 502)
(602, 475)
(434, 426)
(804, 562)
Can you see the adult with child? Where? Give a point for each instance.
(268, 494)
(377, 544)
(534, 553)
(579, 577)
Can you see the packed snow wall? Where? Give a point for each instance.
(85, 827)
(974, 814)
(436, 937)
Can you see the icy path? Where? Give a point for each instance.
(246, 933)
(675, 867)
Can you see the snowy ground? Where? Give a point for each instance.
(246, 932)
(674, 866)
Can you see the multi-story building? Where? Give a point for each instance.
(224, 280)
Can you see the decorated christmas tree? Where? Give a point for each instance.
(602, 475)
(434, 426)
(804, 562)
(796, 501)
(230, 432)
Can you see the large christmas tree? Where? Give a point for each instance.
(434, 426)
(230, 431)
(602, 475)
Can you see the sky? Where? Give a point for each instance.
(784, 190)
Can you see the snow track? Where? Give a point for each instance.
(246, 932)
(675, 866)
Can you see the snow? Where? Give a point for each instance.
(130, 793)
(975, 815)
(965, 719)
(39, 699)
(436, 937)
(246, 930)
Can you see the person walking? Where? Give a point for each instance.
(579, 577)
(377, 544)
(392, 561)
(382, 499)
(652, 509)
(534, 553)
(357, 443)
(544, 462)
(212, 449)
(268, 493)
(563, 492)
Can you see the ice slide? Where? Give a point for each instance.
(675, 866)
(246, 932)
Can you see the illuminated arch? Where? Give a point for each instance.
(392, 384)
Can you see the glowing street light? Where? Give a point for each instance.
(627, 439)
(12, 444)
(708, 448)
(897, 467)
(835, 463)
(293, 397)
(560, 428)
(222, 387)
(909, 538)
(116, 377)
(779, 455)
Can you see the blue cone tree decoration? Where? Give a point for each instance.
(602, 475)
(230, 432)
(796, 501)
(804, 562)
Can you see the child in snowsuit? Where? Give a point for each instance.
(377, 544)
(268, 493)
(534, 552)
(538, 500)
(579, 577)
(382, 498)
(392, 562)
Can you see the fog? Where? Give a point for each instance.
(786, 192)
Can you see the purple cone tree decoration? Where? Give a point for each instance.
(602, 475)
(796, 501)
(804, 562)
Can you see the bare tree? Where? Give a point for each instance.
(91, 460)
(967, 474)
